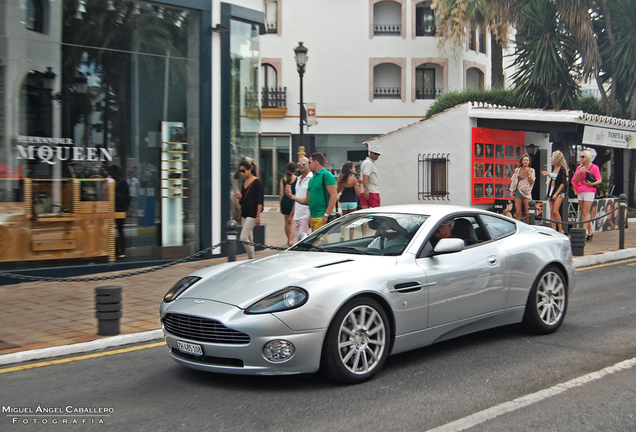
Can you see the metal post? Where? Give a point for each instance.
(231, 235)
(531, 211)
(621, 220)
(108, 309)
(301, 72)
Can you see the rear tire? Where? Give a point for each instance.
(547, 302)
(357, 342)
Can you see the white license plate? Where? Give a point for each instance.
(189, 348)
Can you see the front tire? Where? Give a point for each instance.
(357, 342)
(547, 302)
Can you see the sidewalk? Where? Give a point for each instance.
(49, 319)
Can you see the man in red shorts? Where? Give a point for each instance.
(369, 172)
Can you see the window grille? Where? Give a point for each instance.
(433, 176)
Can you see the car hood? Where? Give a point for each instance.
(244, 283)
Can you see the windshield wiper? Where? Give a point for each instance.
(308, 246)
(346, 249)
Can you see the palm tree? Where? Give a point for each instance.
(545, 57)
(458, 15)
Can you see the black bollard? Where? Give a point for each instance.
(231, 235)
(621, 220)
(577, 241)
(531, 211)
(108, 309)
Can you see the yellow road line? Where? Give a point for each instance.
(608, 264)
(83, 357)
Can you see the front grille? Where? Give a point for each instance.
(202, 330)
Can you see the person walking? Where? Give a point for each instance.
(370, 196)
(300, 212)
(348, 188)
(521, 185)
(286, 203)
(586, 177)
(122, 201)
(251, 198)
(556, 193)
(322, 193)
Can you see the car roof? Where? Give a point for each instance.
(433, 210)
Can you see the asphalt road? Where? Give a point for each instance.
(450, 385)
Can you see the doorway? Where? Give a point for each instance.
(275, 155)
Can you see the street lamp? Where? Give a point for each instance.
(71, 93)
(301, 61)
(531, 149)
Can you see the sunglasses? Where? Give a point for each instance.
(582, 157)
(302, 163)
(243, 171)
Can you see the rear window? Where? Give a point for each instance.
(497, 227)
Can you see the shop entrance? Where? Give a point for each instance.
(275, 155)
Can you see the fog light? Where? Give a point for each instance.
(278, 351)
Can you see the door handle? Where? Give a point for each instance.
(492, 260)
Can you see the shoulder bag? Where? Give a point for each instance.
(335, 215)
(238, 215)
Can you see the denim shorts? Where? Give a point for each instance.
(346, 206)
(518, 195)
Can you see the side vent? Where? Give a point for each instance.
(408, 287)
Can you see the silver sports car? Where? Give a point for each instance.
(372, 283)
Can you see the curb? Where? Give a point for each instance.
(590, 260)
(115, 341)
(80, 348)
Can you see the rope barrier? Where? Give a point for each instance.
(203, 252)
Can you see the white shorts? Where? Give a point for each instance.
(586, 196)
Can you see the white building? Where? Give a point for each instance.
(374, 66)
(434, 160)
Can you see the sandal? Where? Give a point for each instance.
(589, 238)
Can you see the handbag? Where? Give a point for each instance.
(332, 216)
(238, 215)
(590, 177)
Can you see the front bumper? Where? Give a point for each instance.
(244, 359)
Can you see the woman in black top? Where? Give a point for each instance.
(349, 188)
(556, 193)
(286, 203)
(251, 199)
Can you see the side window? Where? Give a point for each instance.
(468, 229)
(498, 228)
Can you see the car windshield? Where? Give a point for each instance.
(364, 234)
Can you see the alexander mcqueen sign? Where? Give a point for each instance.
(54, 150)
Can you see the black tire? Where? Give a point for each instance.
(547, 302)
(357, 342)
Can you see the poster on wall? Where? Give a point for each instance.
(495, 153)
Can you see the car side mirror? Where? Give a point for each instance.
(449, 245)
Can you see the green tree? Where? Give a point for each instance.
(545, 56)
(456, 16)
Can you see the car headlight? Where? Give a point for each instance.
(180, 287)
(285, 299)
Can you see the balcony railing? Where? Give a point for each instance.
(387, 29)
(428, 93)
(387, 93)
(272, 27)
(251, 98)
(274, 97)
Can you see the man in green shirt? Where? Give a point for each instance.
(321, 200)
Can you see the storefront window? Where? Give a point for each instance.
(128, 75)
(244, 106)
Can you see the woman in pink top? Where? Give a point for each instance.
(585, 190)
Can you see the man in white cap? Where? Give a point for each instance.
(370, 197)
